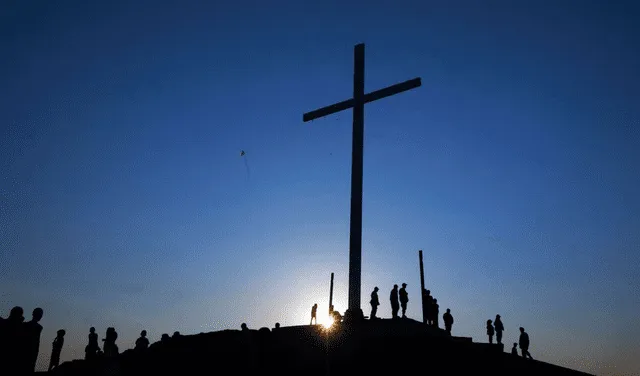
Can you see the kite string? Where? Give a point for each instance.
(246, 164)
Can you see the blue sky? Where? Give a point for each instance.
(124, 200)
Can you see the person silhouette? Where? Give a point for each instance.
(91, 350)
(375, 302)
(58, 342)
(277, 326)
(395, 304)
(428, 303)
(32, 331)
(448, 320)
(524, 343)
(244, 327)
(12, 340)
(499, 329)
(142, 343)
(490, 331)
(436, 313)
(404, 299)
(337, 318)
(314, 310)
(110, 347)
(514, 350)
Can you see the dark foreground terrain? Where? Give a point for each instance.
(379, 347)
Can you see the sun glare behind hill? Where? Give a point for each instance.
(326, 321)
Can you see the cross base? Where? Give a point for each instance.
(352, 316)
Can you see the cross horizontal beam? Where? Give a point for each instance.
(373, 96)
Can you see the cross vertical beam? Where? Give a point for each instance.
(357, 156)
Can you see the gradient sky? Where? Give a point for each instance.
(124, 200)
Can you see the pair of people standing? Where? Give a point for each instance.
(495, 327)
(399, 298)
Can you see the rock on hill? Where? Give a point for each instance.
(376, 347)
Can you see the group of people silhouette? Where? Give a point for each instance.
(497, 327)
(399, 298)
(432, 310)
(20, 341)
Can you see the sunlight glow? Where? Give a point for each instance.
(327, 322)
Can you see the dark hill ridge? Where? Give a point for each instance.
(374, 347)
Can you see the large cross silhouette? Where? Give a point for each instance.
(357, 103)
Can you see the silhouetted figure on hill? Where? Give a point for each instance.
(524, 344)
(314, 310)
(277, 326)
(448, 320)
(404, 299)
(395, 304)
(176, 334)
(142, 343)
(514, 350)
(12, 340)
(110, 347)
(499, 329)
(58, 342)
(32, 331)
(91, 350)
(428, 302)
(375, 302)
(436, 313)
(244, 327)
(490, 331)
(337, 317)
(165, 338)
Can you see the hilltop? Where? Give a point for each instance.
(373, 347)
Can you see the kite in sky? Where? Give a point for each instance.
(246, 163)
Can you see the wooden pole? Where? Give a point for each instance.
(331, 296)
(424, 311)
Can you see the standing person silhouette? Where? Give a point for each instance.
(428, 305)
(395, 305)
(58, 342)
(448, 320)
(12, 340)
(142, 343)
(490, 331)
(92, 348)
(524, 344)
(314, 310)
(436, 313)
(499, 329)
(404, 299)
(32, 331)
(375, 302)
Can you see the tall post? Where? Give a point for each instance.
(424, 311)
(331, 296)
(357, 151)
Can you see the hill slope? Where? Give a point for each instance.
(374, 348)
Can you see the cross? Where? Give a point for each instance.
(357, 103)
